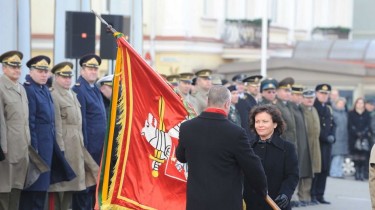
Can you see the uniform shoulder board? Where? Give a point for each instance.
(78, 84)
(26, 83)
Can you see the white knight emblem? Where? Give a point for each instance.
(162, 143)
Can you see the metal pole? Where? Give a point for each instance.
(264, 39)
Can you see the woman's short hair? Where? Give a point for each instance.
(275, 115)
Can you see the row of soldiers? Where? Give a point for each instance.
(306, 112)
(51, 137)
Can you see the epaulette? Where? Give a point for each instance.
(78, 84)
(26, 83)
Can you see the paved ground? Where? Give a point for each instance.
(344, 194)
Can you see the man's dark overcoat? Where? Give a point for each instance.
(217, 152)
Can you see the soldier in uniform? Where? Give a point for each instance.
(183, 90)
(94, 120)
(238, 82)
(313, 131)
(173, 80)
(268, 91)
(304, 156)
(105, 86)
(203, 85)
(15, 134)
(233, 114)
(283, 93)
(248, 101)
(326, 139)
(69, 136)
(42, 128)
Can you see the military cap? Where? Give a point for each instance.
(268, 83)
(204, 73)
(186, 77)
(297, 89)
(40, 62)
(193, 81)
(308, 93)
(286, 83)
(173, 79)
(238, 77)
(12, 58)
(64, 69)
(232, 88)
(106, 80)
(323, 88)
(90, 60)
(253, 80)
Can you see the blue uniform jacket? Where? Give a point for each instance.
(42, 127)
(94, 120)
(43, 140)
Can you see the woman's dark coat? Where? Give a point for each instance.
(281, 166)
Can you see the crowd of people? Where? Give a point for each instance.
(52, 135)
(288, 139)
(318, 125)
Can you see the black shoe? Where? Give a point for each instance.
(322, 201)
(303, 203)
(294, 204)
(314, 202)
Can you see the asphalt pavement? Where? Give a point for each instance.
(344, 194)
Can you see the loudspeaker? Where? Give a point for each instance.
(108, 46)
(79, 34)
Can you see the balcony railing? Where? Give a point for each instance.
(242, 33)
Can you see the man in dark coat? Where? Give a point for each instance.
(248, 101)
(217, 152)
(42, 128)
(326, 139)
(94, 120)
(268, 91)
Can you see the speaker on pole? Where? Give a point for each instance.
(79, 34)
(108, 46)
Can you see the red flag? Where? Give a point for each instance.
(144, 125)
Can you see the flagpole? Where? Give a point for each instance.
(264, 39)
(272, 203)
(109, 27)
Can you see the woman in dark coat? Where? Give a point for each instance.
(359, 125)
(279, 159)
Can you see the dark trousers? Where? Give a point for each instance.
(32, 200)
(83, 200)
(318, 185)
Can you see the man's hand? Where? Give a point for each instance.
(330, 139)
(282, 201)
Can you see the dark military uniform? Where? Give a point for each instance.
(326, 139)
(245, 104)
(233, 114)
(94, 123)
(286, 112)
(268, 84)
(42, 131)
